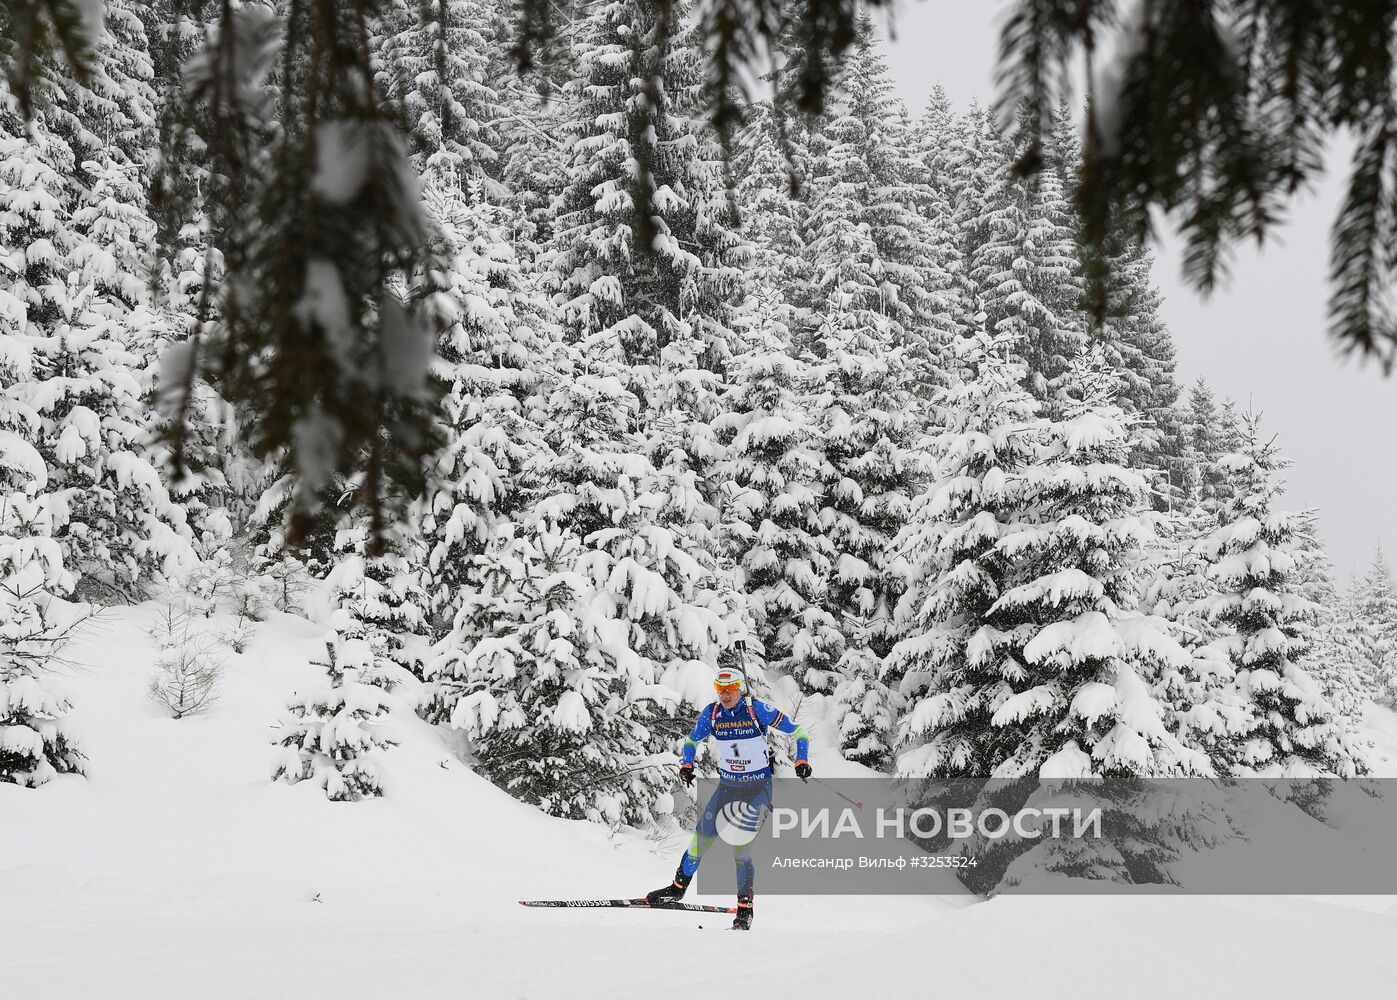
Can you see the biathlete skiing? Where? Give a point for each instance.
(745, 769)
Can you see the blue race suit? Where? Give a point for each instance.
(744, 775)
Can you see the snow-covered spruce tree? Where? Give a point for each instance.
(1085, 705)
(619, 302)
(36, 231)
(378, 598)
(435, 66)
(221, 482)
(34, 742)
(772, 212)
(862, 408)
(1204, 445)
(944, 664)
(1387, 682)
(493, 342)
(776, 156)
(1335, 657)
(115, 110)
(898, 206)
(531, 135)
(938, 140)
(1292, 731)
(1374, 601)
(769, 522)
(113, 515)
(70, 290)
(1026, 273)
(683, 505)
(332, 735)
(115, 243)
(1090, 653)
(1204, 708)
(935, 139)
(714, 306)
(866, 707)
(976, 161)
(1133, 335)
(648, 300)
(648, 571)
(865, 416)
(552, 705)
(1144, 353)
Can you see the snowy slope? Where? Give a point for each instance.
(177, 869)
(1380, 726)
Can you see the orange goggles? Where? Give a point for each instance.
(727, 688)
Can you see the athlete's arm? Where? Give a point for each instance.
(774, 719)
(701, 732)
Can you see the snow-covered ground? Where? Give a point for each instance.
(176, 869)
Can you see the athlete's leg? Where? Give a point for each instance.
(704, 834)
(742, 854)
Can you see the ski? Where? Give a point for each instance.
(640, 903)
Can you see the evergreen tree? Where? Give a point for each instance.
(867, 708)
(897, 205)
(35, 744)
(119, 528)
(434, 63)
(862, 403)
(939, 142)
(35, 227)
(619, 297)
(493, 355)
(772, 201)
(1132, 335)
(114, 242)
(378, 599)
(1204, 708)
(1204, 445)
(552, 704)
(944, 665)
(333, 735)
(1085, 704)
(1375, 605)
(1335, 657)
(1023, 264)
(1292, 731)
(770, 522)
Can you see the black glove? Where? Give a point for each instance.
(686, 773)
(802, 770)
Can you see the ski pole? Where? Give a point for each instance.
(836, 792)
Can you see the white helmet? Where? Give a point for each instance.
(730, 675)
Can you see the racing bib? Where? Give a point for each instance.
(742, 756)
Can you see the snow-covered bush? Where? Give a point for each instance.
(208, 583)
(252, 598)
(866, 708)
(289, 579)
(187, 670)
(333, 734)
(34, 742)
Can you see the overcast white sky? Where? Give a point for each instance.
(1260, 340)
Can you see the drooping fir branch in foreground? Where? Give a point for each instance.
(1219, 113)
(325, 334)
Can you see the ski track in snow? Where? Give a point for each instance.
(176, 869)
